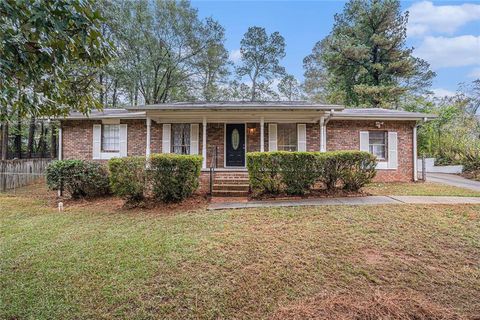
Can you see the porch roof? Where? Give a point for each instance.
(238, 105)
(281, 111)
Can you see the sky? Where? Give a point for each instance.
(445, 33)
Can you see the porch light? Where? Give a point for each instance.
(252, 130)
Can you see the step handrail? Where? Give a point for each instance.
(213, 165)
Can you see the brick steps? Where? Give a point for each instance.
(230, 184)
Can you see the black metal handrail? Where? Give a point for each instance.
(213, 165)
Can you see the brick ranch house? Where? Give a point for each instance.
(223, 132)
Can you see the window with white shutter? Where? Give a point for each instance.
(272, 137)
(166, 133)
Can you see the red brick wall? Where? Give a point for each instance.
(215, 137)
(313, 137)
(341, 135)
(345, 135)
(137, 137)
(78, 138)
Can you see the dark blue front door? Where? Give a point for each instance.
(235, 145)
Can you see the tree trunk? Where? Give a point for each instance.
(53, 141)
(254, 89)
(18, 139)
(4, 140)
(41, 141)
(135, 96)
(102, 91)
(31, 138)
(114, 95)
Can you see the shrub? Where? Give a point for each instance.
(471, 165)
(358, 169)
(77, 177)
(127, 178)
(174, 177)
(297, 172)
(264, 172)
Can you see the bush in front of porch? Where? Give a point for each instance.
(296, 173)
(170, 177)
(174, 177)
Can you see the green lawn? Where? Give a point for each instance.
(94, 262)
(418, 189)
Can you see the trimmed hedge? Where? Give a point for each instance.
(297, 172)
(127, 178)
(79, 178)
(174, 177)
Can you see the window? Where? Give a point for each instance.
(287, 137)
(181, 138)
(110, 138)
(378, 144)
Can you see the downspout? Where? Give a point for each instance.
(415, 149)
(415, 154)
(324, 131)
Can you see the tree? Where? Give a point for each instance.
(365, 57)
(212, 65)
(165, 52)
(289, 88)
(471, 92)
(51, 51)
(315, 76)
(261, 55)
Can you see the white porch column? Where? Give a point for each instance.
(262, 134)
(204, 143)
(415, 155)
(149, 137)
(322, 134)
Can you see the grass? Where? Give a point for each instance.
(91, 261)
(418, 189)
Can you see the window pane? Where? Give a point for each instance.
(181, 138)
(110, 137)
(378, 144)
(377, 137)
(287, 137)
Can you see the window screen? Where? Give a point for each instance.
(181, 138)
(110, 138)
(287, 136)
(378, 144)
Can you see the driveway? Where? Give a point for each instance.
(453, 180)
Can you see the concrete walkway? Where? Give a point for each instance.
(370, 200)
(453, 180)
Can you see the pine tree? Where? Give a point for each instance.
(365, 58)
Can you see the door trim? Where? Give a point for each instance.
(225, 144)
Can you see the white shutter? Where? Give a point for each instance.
(364, 141)
(194, 138)
(166, 135)
(97, 141)
(302, 137)
(392, 150)
(123, 140)
(272, 137)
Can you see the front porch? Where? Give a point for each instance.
(224, 137)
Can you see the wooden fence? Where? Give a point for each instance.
(18, 173)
